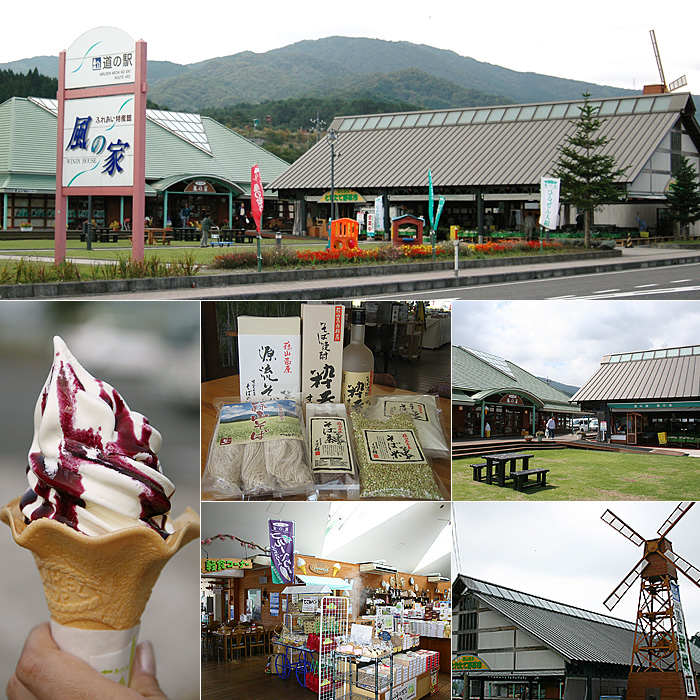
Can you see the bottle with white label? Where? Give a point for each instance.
(358, 363)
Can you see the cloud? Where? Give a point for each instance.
(565, 340)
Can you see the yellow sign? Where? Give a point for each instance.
(210, 566)
(469, 662)
(343, 196)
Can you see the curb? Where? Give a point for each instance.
(435, 283)
(149, 284)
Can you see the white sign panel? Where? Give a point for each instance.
(98, 137)
(379, 214)
(549, 202)
(682, 637)
(101, 56)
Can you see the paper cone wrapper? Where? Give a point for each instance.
(109, 652)
(98, 583)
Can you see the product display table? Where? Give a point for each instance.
(228, 388)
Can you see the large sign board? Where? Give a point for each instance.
(101, 56)
(99, 137)
(101, 140)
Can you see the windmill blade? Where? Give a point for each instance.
(678, 83)
(616, 596)
(617, 524)
(680, 510)
(685, 567)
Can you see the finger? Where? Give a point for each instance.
(48, 673)
(16, 691)
(143, 675)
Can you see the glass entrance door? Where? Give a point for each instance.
(634, 428)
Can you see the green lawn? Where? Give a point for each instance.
(590, 475)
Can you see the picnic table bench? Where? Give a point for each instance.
(520, 478)
(103, 235)
(159, 235)
(477, 469)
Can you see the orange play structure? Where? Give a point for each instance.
(344, 234)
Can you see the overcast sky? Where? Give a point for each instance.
(601, 42)
(565, 552)
(565, 340)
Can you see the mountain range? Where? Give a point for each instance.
(428, 77)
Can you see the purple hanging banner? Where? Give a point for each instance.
(282, 550)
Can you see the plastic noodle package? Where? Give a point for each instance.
(427, 417)
(257, 448)
(391, 461)
(331, 453)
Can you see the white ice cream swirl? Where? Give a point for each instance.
(93, 463)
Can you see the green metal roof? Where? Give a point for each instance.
(474, 379)
(28, 147)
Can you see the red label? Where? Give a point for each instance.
(339, 312)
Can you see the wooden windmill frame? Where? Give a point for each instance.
(661, 667)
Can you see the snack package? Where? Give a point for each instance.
(96, 515)
(257, 449)
(391, 460)
(330, 447)
(427, 417)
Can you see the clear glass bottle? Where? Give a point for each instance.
(358, 363)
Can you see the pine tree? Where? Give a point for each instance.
(588, 177)
(683, 196)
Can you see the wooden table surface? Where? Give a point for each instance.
(228, 388)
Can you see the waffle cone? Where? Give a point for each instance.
(98, 583)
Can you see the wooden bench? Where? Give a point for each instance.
(478, 468)
(520, 479)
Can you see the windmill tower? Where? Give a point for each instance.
(661, 666)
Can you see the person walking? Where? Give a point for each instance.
(551, 425)
(207, 223)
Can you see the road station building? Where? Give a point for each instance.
(490, 390)
(647, 398)
(487, 162)
(190, 159)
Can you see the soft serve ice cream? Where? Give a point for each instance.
(93, 463)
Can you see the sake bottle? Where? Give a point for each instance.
(358, 363)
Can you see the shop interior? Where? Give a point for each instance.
(366, 612)
(410, 355)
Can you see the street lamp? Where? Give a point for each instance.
(332, 138)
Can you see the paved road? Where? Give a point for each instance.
(677, 282)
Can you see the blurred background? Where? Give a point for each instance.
(149, 352)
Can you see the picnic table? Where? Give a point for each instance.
(496, 465)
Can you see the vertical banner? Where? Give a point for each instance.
(257, 204)
(549, 202)
(257, 199)
(379, 214)
(431, 199)
(282, 550)
(682, 637)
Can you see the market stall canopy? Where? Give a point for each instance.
(335, 584)
(291, 590)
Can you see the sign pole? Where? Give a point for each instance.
(61, 198)
(138, 218)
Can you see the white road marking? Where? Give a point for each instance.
(667, 290)
(644, 286)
